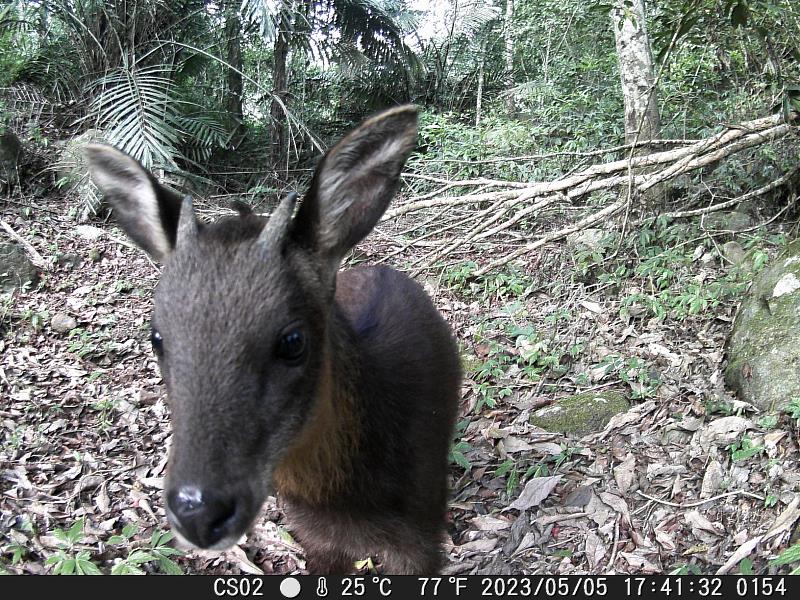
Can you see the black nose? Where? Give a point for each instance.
(203, 517)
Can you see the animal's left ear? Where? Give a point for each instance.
(146, 210)
(354, 183)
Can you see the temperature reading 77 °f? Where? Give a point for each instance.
(429, 586)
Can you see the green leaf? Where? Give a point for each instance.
(139, 557)
(513, 480)
(61, 536)
(788, 556)
(65, 567)
(285, 535)
(160, 538)
(461, 460)
(130, 530)
(746, 452)
(123, 568)
(504, 468)
(461, 446)
(169, 567)
(85, 566)
(75, 532)
(746, 566)
(365, 564)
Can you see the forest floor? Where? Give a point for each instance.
(689, 480)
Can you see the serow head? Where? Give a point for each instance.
(241, 313)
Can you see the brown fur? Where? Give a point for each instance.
(318, 461)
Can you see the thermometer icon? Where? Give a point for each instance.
(322, 587)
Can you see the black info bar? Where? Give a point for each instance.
(367, 587)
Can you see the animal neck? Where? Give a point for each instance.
(319, 460)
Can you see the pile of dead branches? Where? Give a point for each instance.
(480, 216)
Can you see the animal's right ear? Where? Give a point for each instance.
(147, 211)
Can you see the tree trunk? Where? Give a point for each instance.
(277, 111)
(233, 56)
(635, 58)
(479, 99)
(508, 55)
(44, 17)
(642, 121)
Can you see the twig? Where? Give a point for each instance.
(500, 205)
(701, 502)
(615, 545)
(559, 518)
(38, 261)
(555, 235)
(588, 154)
(739, 199)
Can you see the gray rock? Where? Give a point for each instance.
(69, 260)
(728, 221)
(763, 349)
(590, 239)
(734, 252)
(16, 271)
(10, 157)
(63, 323)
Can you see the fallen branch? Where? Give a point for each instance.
(680, 214)
(588, 154)
(555, 235)
(501, 205)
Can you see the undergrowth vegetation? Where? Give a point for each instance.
(671, 272)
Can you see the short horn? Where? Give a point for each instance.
(275, 229)
(187, 222)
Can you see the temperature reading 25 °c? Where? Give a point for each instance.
(355, 586)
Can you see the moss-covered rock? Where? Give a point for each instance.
(763, 349)
(580, 414)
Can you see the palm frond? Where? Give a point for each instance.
(137, 110)
(473, 15)
(369, 25)
(15, 18)
(203, 134)
(266, 13)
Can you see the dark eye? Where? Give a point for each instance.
(292, 344)
(155, 339)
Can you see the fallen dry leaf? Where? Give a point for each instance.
(536, 490)
(624, 473)
(712, 479)
(595, 549)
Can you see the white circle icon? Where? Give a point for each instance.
(290, 587)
